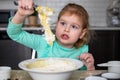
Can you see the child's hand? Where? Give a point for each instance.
(25, 7)
(88, 60)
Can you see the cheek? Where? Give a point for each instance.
(58, 31)
(75, 35)
(59, 28)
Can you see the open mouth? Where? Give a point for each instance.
(64, 36)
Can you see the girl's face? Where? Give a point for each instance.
(69, 30)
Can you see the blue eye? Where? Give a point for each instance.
(63, 23)
(74, 27)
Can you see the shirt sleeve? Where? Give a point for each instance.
(16, 33)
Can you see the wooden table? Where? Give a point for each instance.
(77, 75)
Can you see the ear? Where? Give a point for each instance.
(83, 33)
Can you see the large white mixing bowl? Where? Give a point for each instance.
(58, 75)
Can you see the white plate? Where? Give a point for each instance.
(111, 75)
(95, 78)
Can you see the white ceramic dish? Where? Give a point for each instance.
(111, 75)
(95, 78)
(5, 72)
(113, 66)
(41, 75)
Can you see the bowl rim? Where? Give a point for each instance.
(21, 65)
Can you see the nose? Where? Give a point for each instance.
(67, 29)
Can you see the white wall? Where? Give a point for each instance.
(95, 8)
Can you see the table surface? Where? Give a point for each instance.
(77, 75)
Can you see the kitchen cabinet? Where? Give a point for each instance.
(105, 46)
(11, 52)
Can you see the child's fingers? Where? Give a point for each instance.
(88, 60)
(26, 4)
(19, 3)
(22, 4)
(30, 4)
(86, 57)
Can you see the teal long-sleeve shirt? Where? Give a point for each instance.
(38, 43)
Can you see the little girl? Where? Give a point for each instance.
(71, 33)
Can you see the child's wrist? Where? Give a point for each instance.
(91, 68)
(17, 19)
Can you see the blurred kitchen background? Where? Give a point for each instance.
(104, 46)
(95, 8)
